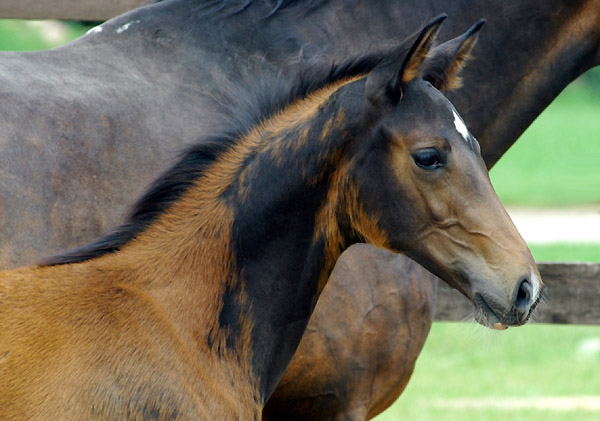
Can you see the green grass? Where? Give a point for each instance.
(557, 160)
(445, 414)
(463, 360)
(557, 163)
(566, 252)
(23, 35)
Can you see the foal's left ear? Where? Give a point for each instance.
(386, 80)
(411, 68)
(443, 64)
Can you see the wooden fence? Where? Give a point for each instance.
(572, 296)
(88, 10)
(573, 289)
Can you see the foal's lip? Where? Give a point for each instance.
(495, 322)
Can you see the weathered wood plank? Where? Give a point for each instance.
(90, 10)
(572, 296)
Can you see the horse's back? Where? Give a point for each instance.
(92, 137)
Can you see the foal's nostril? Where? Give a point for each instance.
(523, 295)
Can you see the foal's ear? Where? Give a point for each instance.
(411, 68)
(444, 63)
(386, 80)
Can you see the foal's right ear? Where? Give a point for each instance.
(400, 66)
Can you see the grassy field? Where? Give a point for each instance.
(466, 362)
(24, 35)
(566, 252)
(556, 162)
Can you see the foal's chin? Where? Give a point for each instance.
(489, 313)
(499, 304)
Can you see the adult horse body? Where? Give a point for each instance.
(151, 77)
(195, 306)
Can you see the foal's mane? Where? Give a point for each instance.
(255, 102)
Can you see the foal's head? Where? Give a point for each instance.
(423, 179)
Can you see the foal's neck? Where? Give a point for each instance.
(246, 251)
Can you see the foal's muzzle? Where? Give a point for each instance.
(492, 313)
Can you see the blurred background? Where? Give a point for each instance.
(550, 183)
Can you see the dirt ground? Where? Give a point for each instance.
(565, 225)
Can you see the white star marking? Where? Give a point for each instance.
(460, 126)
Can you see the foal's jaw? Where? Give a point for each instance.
(488, 262)
(505, 290)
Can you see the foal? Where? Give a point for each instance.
(194, 307)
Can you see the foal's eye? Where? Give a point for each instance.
(429, 158)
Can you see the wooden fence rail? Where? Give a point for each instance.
(572, 296)
(89, 10)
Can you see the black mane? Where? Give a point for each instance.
(244, 107)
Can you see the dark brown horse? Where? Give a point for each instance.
(85, 127)
(194, 307)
